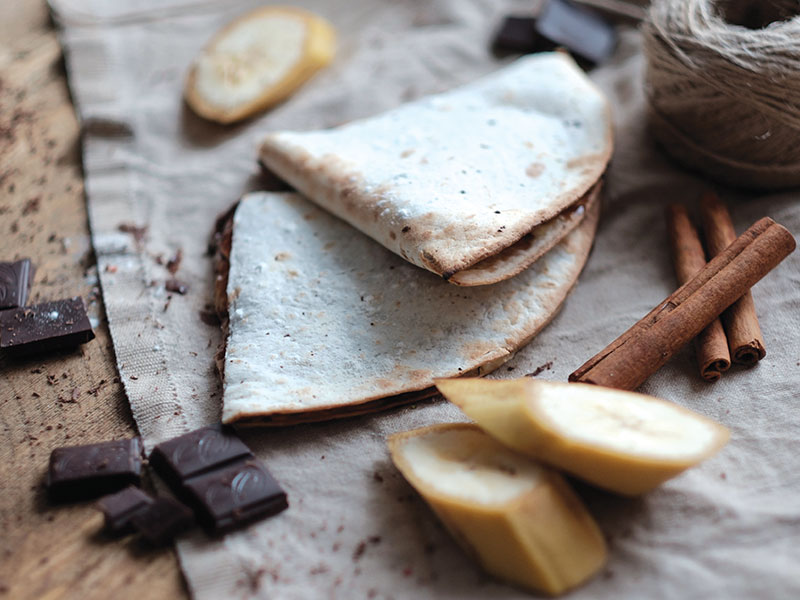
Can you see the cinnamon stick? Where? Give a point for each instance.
(741, 323)
(711, 345)
(639, 352)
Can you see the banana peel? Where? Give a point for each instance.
(257, 61)
(518, 518)
(621, 441)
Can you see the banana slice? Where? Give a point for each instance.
(520, 519)
(621, 441)
(256, 61)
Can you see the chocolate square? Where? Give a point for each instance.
(196, 453)
(162, 520)
(582, 31)
(516, 34)
(82, 472)
(120, 508)
(15, 283)
(228, 498)
(45, 327)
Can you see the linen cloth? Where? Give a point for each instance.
(355, 529)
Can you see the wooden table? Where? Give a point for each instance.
(55, 551)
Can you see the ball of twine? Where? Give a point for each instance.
(723, 84)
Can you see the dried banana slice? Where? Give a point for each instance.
(519, 518)
(621, 441)
(256, 61)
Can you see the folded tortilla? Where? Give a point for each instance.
(325, 323)
(452, 180)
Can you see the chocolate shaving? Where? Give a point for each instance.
(174, 263)
(138, 232)
(173, 285)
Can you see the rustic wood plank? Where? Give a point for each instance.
(71, 398)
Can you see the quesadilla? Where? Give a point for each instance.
(453, 180)
(324, 322)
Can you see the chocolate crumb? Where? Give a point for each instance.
(359, 551)
(31, 206)
(377, 477)
(174, 263)
(138, 232)
(173, 285)
(541, 368)
(209, 317)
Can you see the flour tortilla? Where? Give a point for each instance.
(325, 323)
(519, 256)
(453, 179)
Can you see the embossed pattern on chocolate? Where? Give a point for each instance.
(82, 472)
(235, 495)
(15, 283)
(213, 471)
(196, 453)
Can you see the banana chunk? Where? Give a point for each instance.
(622, 441)
(256, 61)
(519, 518)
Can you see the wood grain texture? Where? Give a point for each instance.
(46, 551)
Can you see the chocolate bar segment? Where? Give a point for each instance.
(45, 327)
(162, 520)
(195, 453)
(516, 34)
(83, 472)
(15, 283)
(235, 495)
(582, 31)
(120, 508)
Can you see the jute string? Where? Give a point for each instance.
(723, 83)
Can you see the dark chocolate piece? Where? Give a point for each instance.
(120, 508)
(83, 472)
(162, 520)
(15, 283)
(235, 495)
(195, 453)
(582, 31)
(45, 327)
(270, 182)
(516, 34)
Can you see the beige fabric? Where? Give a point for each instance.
(342, 321)
(452, 179)
(355, 529)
